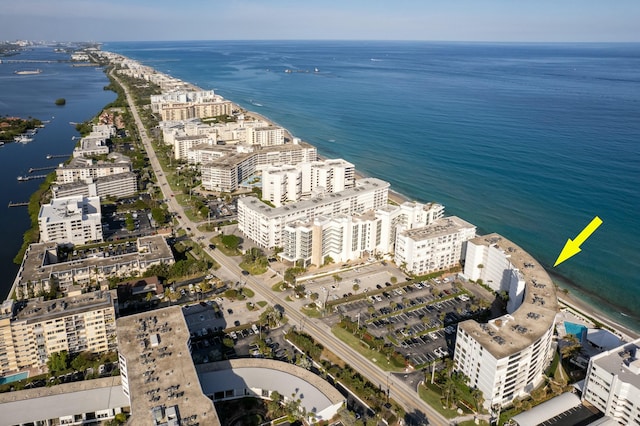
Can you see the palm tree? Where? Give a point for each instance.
(478, 398)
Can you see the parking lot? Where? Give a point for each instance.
(418, 318)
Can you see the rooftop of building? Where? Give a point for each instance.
(38, 310)
(315, 393)
(113, 159)
(39, 261)
(115, 177)
(26, 406)
(623, 361)
(367, 184)
(234, 158)
(159, 366)
(514, 332)
(92, 142)
(75, 206)
(441, 227)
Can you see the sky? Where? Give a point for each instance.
(435, 20)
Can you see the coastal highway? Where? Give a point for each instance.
(416, 408)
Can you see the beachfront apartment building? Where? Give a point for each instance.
(345, 237)
(490, 263)
(116, 186)
(32, 330)
(182, 145)
(76, 220)
(226, 173)
(341, 237)
(81, 169)
(42, 268)
(612, 383)
(287, 183)
(437, 246)
(505, 358)
(264, 136)
(185, 105)
(264, 224)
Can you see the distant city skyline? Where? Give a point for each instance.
(435, 20)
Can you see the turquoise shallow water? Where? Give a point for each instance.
(528, 140)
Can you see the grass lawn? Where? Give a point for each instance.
(224, 249)
(248, 292)
(253, 269)
(277, 286)
(432, 398)
(372, 355)
(262, 303)
(311, 312)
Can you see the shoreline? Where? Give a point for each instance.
(583, 308)
(568, 300)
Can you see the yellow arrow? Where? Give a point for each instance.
(572, 247)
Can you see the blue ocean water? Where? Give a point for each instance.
(528, 140)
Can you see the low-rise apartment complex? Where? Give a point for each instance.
(81, 169)
(41, 268)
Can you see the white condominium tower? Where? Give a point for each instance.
(76, 220)
(612, 383)
(506, 357)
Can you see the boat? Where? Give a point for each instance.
(27, 72)
(23, 138)
(316, 70)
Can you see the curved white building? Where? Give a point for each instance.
(506, 357)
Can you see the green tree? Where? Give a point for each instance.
(478, 398)
(129, 222)
(58, 362)
(270, 316)
(158, 215)
(570, 346)
(82, 361)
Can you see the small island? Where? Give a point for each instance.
(13, 127)
(61, 101)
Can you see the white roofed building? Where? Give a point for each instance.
(506, 357)
(612, 383)
(75, 220)
(264, 224)
(434, 247)
(264, 136)
(80, 169)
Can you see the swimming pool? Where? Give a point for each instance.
(577, 330)
(14, 377)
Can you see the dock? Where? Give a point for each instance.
(31, 177)
(21, 204)
(39, 169)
